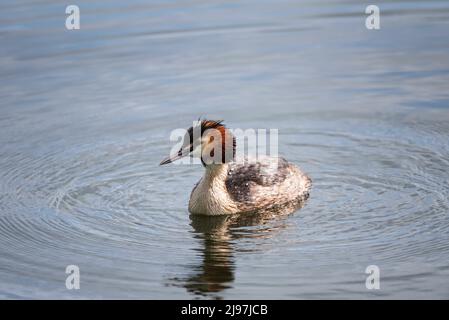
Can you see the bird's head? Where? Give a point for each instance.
(208, 140)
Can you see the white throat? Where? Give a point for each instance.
(210, 196)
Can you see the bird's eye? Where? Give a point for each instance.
(211, 139)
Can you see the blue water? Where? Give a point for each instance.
(86, 117)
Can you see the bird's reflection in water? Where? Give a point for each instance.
(221, 236)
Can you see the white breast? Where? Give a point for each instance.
(210, 196)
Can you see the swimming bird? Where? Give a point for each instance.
(230, 185)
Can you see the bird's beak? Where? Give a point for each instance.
(181, 154)
(170, 159)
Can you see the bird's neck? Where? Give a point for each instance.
(210, 196)
(215, 172)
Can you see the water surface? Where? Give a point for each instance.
(86, 117)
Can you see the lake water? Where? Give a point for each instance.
(86, 115)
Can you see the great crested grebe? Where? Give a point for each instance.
(231, 185)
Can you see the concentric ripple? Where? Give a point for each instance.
(112, 209)
(85, 119)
